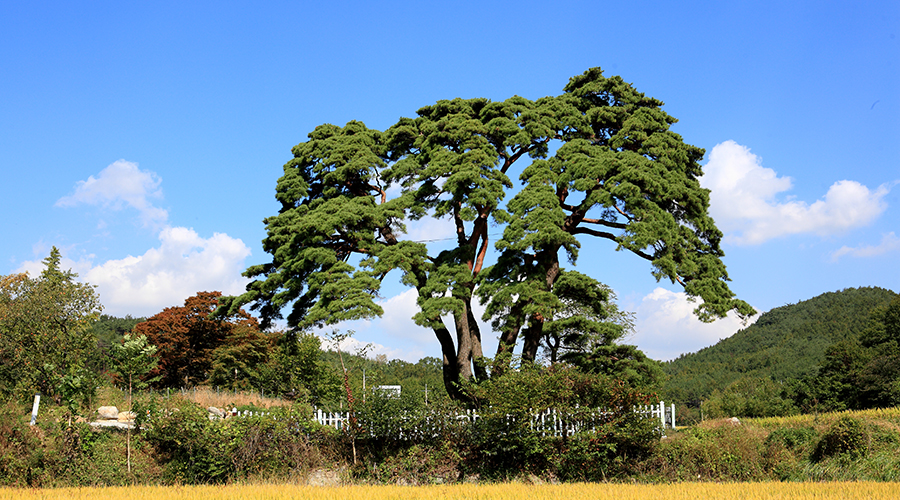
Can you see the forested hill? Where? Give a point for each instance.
(785, 343)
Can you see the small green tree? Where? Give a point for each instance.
(297, 369)
(133, 359)
(46, 341)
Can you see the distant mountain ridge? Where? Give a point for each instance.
(785, 343)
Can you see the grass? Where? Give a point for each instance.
(786, 449)
(504, 491)
(891, 415)
(202, 396)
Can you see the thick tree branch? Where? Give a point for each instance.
(605, 223)
(627, 216)
(460, 228)
(380, 191)
(594, 232)
(479, 232)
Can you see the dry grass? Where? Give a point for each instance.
(202, 396)
(507, 491)
(825, 419)
(206, 397)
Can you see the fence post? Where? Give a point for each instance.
(662, 414)
(34, 409)
(673, 416)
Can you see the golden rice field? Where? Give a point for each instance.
(808, 419)
(512, 491)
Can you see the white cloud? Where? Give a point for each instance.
(121, 184)
(182, 265)
(743, 200)
(429, 229)
(397, 318)
(889, 243)
(407, 340)
(666, 326)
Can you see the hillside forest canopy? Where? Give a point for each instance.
(597, 161)
(833, 352)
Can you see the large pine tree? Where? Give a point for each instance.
(597, 161)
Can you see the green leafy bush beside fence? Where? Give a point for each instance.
(595, 445)
(196, 449)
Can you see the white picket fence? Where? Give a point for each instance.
(548, 422)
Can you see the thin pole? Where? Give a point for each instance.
(34, 408)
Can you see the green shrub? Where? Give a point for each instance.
(714, 450)
(59, 451)
(419, 464)
(20, 449)
(276, 445)
(846, 436)
(193, 448)
(507, 440)
(401, 440)
(795, 439)
(196, 449)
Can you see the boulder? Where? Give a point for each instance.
(216, 412)
(108, 412)
(127, 416)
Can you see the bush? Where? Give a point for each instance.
(385, 418)
(404, 441)
(192, 447)
(20, 449)
(419, 464)
(846, 436)
(714, 450)
(61, 452)
(196, 449)
(265, 447)
(795, 439)
(507, 440)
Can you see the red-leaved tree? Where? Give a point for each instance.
(186, 338)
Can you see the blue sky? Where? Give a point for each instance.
(145, 140)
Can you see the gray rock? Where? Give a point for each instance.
(324, 477)
(108, 413)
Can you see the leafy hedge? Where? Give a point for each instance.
(196, 449)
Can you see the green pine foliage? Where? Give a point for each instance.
(597, 161)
